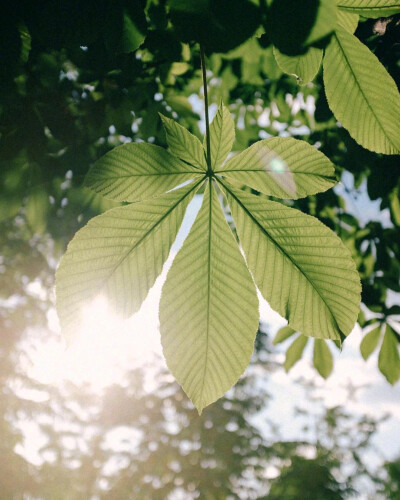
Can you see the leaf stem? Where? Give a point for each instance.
(203, 68)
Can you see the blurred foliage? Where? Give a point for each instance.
(71, 89)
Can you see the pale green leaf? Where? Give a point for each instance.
(361, 94)
(136, 171)
(283, 334)
(282, 167)
(118, 254)
(294, 352)
(370, 342)
(389, 359)
(322, 358)
(348, 21)
(131, 36)
(222, 135)
(304, 67)
(208, 308)
(183, 144)
(300, 266)
(371, 8)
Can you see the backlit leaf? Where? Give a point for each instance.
(183, 144)
(389, 359)
(300, 266)
(283, 334)
(119, 254)
(370, 342)
(208, 308)
(322, 358)
(304, 66)
(361, 94)
(222, 135)
(348, 21)
(283, 167)
(371, 8)
(137, 171)
(294, 352)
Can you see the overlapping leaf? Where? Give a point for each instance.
(304, 66)
(137, 171)
(183, 144)
(120, 254)
(371, 8)
(283, 167)
(208, 308)
(361, 94)
(301, 268)
(389, 357)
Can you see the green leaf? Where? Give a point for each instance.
(294, 352)
(131, 36)
(119, 253)
(293, 25)
(222, 135)
(300, 266)
(283, 167)
(371, 8)
(389, 359)
(208, 308)
(304, 66)
(348, 21)
(370, 342)
(137, 171)
(322, 358)
(355, 83)
(37, 209)
(183, 144)
(283, 334)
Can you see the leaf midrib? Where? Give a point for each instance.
(210, 187)
(253, 218)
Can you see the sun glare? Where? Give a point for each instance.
(105, 347)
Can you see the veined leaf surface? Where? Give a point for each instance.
(362, 94)
(300, 266)
(222, 135)
(371, 8)
(137, 171)
(304, 66)
(119, 253)
(183, 144)
(208, 308)
(283, 167)
(348, 21)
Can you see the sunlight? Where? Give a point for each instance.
(105, 347)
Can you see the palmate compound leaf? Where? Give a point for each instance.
(282, 167)
(370, 8)
(137, 171)
(120, 254)
(300, 266)
(362, 94)
(208, 308)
